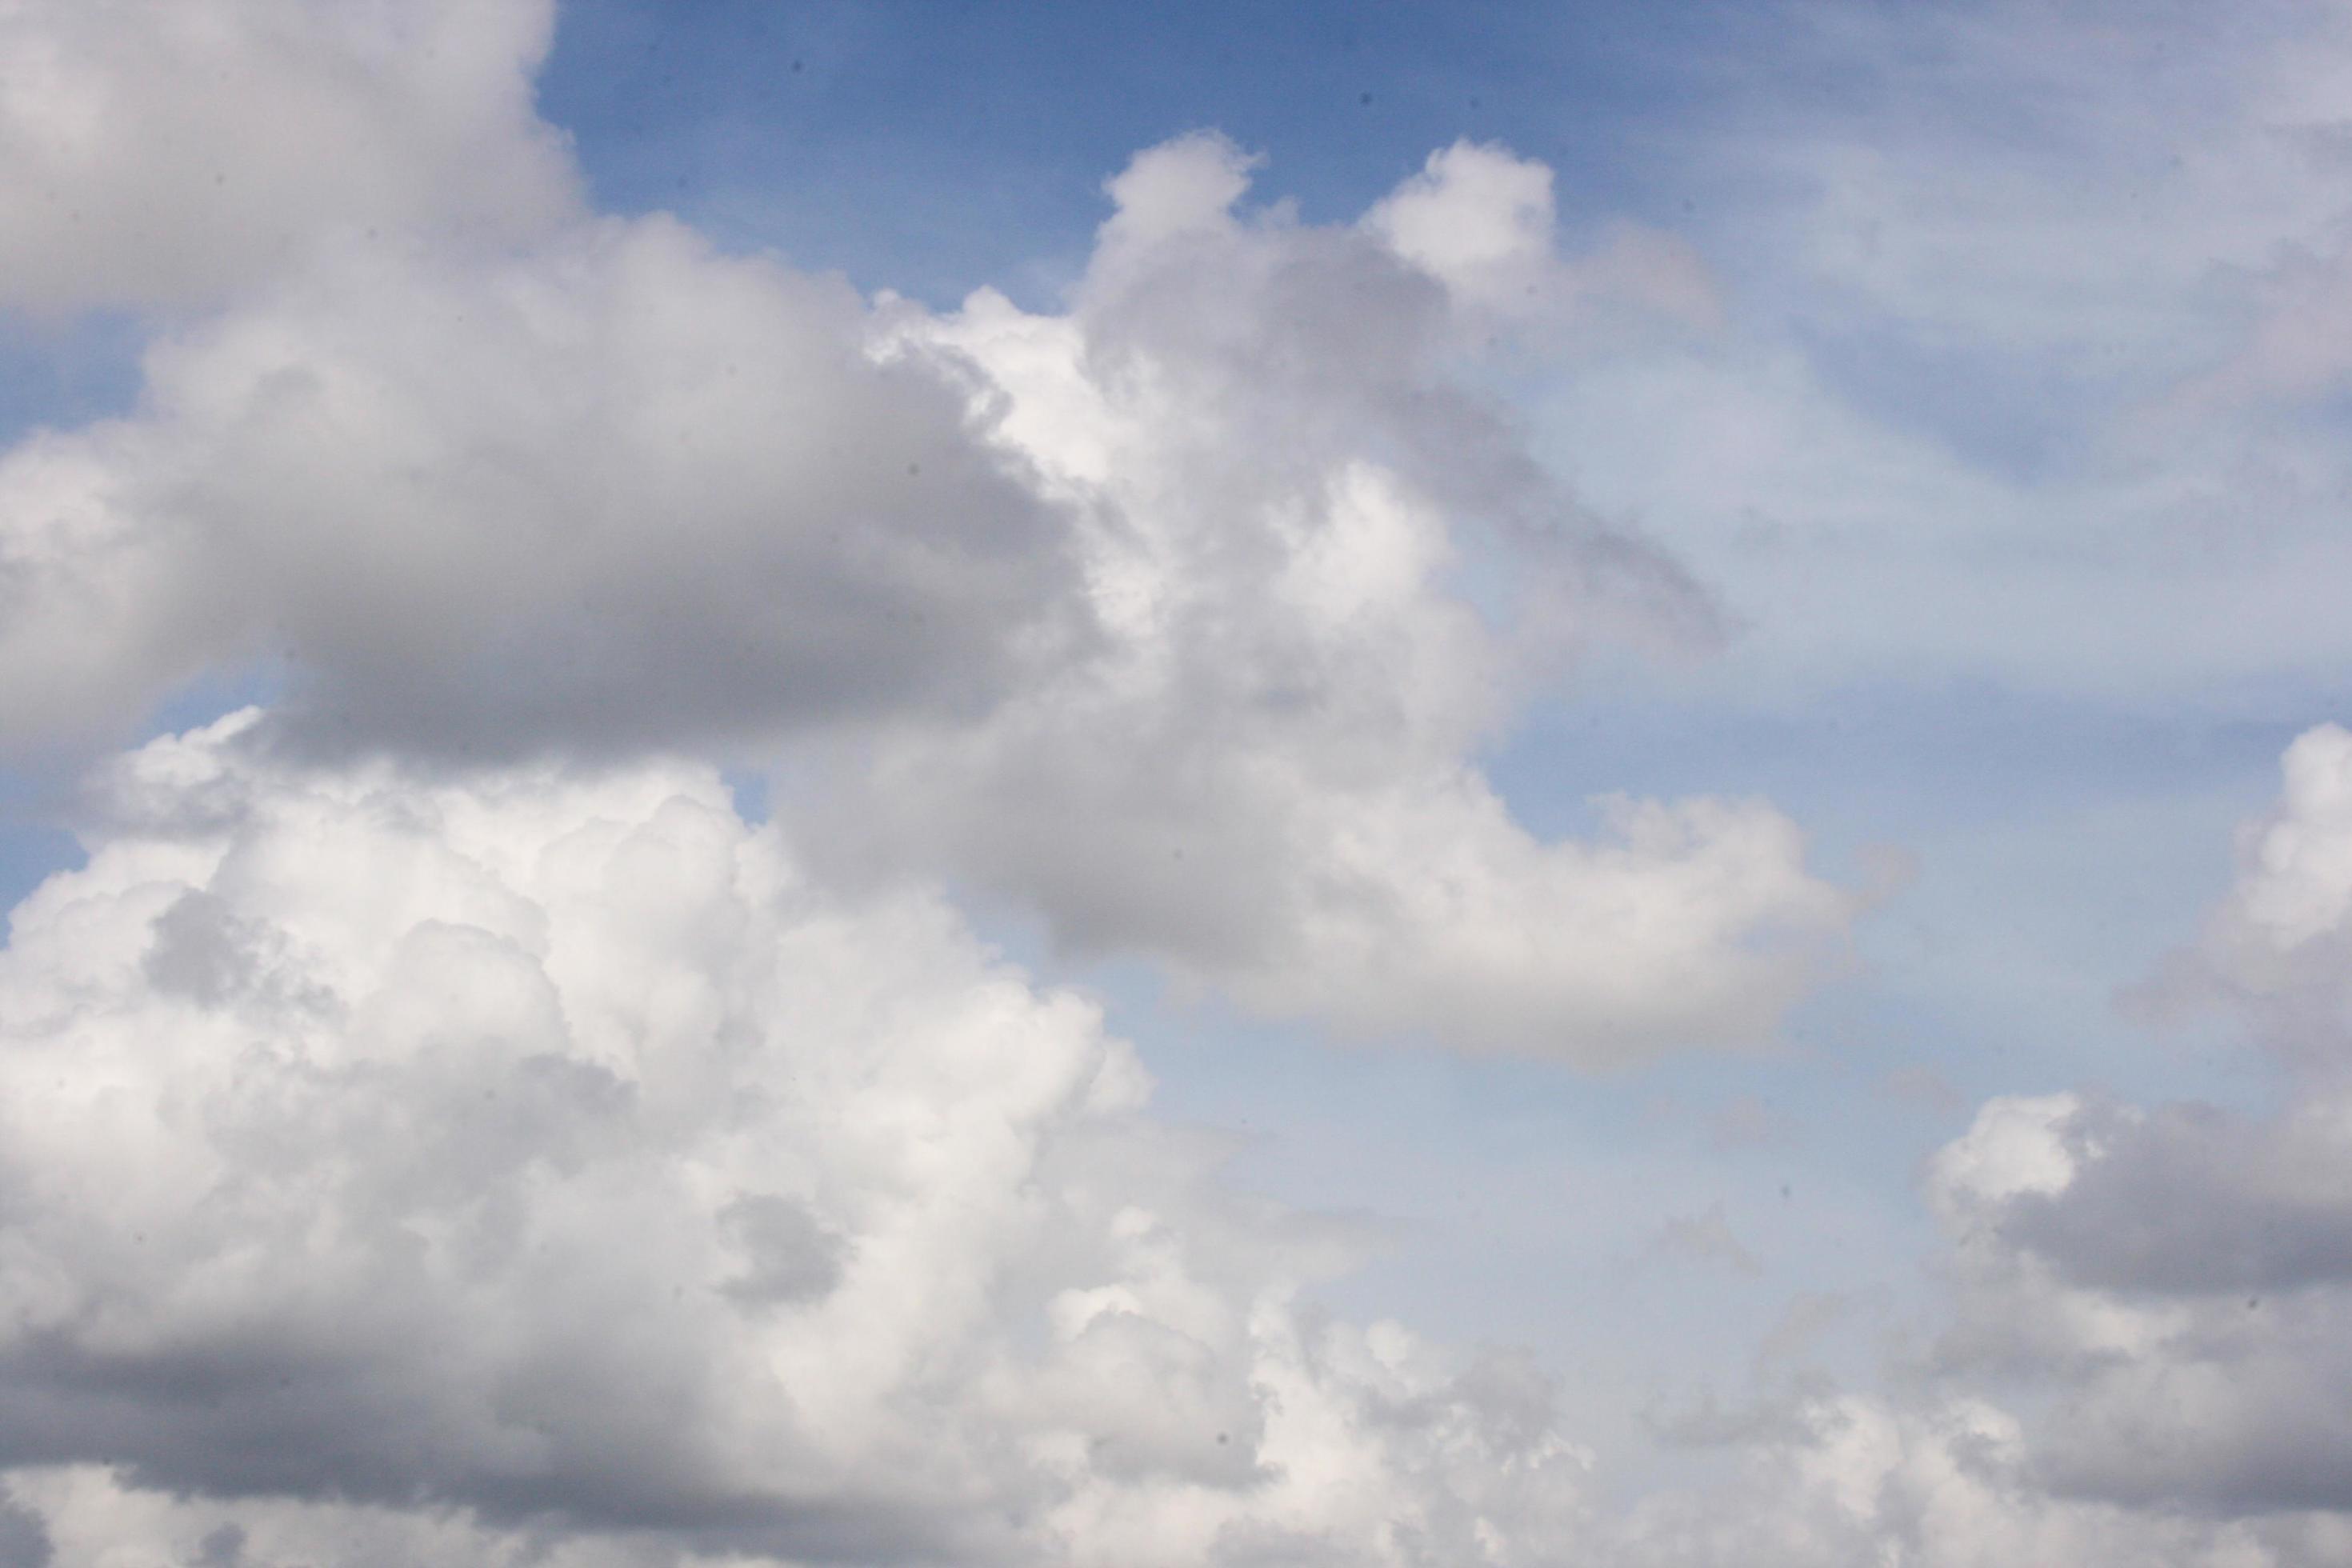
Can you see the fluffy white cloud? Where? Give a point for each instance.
(1325, 574)
(548, 1155)
(164, 155)
(1481, 221)
(2279, 947)
(1179, 616)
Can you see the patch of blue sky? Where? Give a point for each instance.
(62, 373)
(1525, 1206)
(934, 148)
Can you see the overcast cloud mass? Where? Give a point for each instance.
(1490, 790)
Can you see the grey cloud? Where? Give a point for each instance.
(169, 158)
(201, 951)
(24, 1541)
(788, 1253)
(2191, 1198)
(2145, 1351)
(221, 1547)
(2249, 1417)
(617, 491)
(2170, 1285)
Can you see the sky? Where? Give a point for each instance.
(935, 784)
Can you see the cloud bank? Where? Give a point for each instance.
(599, 1174)
(605, 1189)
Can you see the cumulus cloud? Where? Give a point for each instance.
(435, 1126)
(1481, 221)
(2176, 1290)
(2176, 1278)
(2120, 1379)
(1325, 574)
(2275, 952)
(1180, 615)
(550, 1155)
(610, 489)
(167, 155)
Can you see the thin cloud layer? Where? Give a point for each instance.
(2034, 380)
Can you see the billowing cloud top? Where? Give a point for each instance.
(597, 1171)
(1179, 616)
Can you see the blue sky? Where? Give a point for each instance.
(1221, 508)
(1006, 118)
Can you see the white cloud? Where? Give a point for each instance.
(411, 1167)
(165, 156)
(2275, 950)
(2295, 886)
(1480, 220)
(2177, 1278)
(1326, 575)
(1179, 616)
